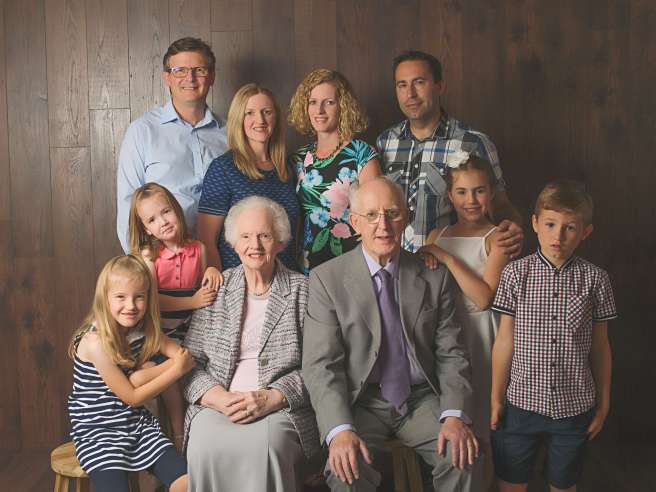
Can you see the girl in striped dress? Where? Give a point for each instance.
(113, 433)
(178, 264)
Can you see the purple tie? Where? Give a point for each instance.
(392, 361)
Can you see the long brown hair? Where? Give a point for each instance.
(139, 239)
(113, 342)
(241, 150)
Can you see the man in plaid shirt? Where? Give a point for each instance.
(551, 361)
(414, 153)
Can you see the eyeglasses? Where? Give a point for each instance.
(391, 214)
(182, 72)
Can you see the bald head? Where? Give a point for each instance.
(379, 215)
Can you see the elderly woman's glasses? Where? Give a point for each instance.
(391, 214)
(182, 72)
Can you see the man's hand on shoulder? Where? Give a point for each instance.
(509, 238)
(343, 455)
(464, 445)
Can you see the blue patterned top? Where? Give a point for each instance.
(322, 188)
(224, 185)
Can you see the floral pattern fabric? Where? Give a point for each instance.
(322, 187)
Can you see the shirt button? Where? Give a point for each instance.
(177, 278)
(389, 169)
(412, 208)
(416, 166)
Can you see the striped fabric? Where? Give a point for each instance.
(108, 433)
(175, 324)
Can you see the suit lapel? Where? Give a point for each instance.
(235, 307)
(412, 288)
(278, 300)
(359, 285)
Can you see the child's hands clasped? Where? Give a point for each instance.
(212, 279)
(183, 360)
(203, 298)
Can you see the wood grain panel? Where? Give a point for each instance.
(234, 67)
(232, 15)
(189, 18)
(107, 130)
(9, 407)
(74, 269)
(148, 33)
(68, 89)
(441, 35)
(27, 117)
(315, 35)
(273, 42)
(107, 48)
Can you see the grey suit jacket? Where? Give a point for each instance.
(343, 333)
(214, 339)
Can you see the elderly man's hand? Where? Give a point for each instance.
(464, 446)
(509, 238)
(256, 404)
(343, 455)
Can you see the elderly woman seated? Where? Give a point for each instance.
(250, 425)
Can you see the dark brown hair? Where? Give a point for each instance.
(190, 44)
(434, 64)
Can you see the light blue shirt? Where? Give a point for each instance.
(161, 147)
(416, 374)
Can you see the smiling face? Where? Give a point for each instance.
(127, 299)
(323, 108)
(381, 239)
(471, 195)
(417, 92)
(192, 89)
(559, 234)
(259, 119)
(159, 219)
(256, 243)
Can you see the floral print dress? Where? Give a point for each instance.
(322, 187)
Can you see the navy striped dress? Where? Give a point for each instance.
(108, 433)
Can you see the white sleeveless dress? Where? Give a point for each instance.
(479, 327)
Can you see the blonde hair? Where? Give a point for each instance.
(566, 195)
(352, 118)
(139, 238)
(113, 342)
(242, 153)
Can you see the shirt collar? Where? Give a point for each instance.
(392, 266)
(187, 250)
(441, 130)
(553, 267)
(169, 114)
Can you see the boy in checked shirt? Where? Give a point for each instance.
(551, 360)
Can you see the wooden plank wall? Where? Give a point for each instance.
(563, 88)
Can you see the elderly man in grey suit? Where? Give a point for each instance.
(382, 356)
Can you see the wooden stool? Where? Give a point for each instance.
(407, 473)
(66, 466)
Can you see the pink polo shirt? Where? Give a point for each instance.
(179, 270)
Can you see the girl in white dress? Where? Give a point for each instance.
(469, 250)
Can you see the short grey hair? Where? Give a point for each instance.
(354, 191)
(281, 228)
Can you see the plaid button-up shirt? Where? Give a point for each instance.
(554, 310)
(419, 166)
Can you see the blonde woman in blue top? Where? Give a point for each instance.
(325, 108)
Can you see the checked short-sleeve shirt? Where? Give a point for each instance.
(418, 166)
(554, 310)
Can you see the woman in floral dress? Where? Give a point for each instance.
(325, 107)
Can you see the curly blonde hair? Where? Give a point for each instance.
(352, 118)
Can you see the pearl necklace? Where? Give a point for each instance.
(264, 292)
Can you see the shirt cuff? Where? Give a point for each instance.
(336, 430)
(456, 413)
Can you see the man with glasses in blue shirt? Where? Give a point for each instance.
(174, 144)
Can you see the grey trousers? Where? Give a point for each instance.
(263, 456)
(376, 421)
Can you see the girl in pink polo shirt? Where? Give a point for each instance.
(178, 264)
